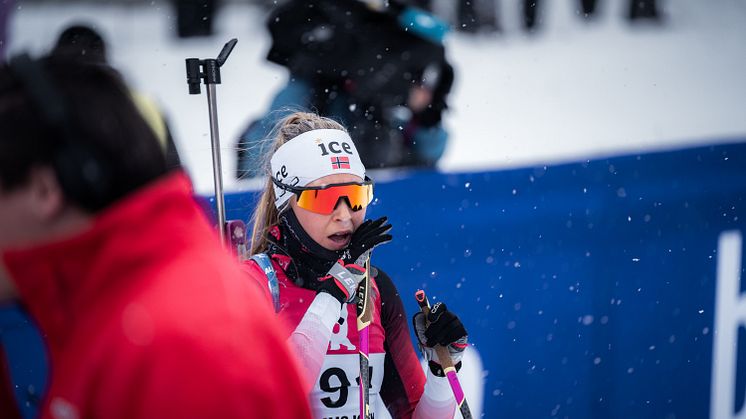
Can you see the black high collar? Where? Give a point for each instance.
(310, 260)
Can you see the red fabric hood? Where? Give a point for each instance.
(60, 280)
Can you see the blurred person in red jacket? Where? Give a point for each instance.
(144, 315)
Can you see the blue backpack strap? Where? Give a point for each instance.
(265, 263)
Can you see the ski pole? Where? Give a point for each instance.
(445, 361)
(208, 70)
(364, 316)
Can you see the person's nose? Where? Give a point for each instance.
(342, 212)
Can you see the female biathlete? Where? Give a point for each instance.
(311, 240)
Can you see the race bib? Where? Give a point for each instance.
(336, 393)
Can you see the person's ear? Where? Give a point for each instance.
(46, 194)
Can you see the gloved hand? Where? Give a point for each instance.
(342, 280)
(344, 276)
(444, 329)
(367, 236)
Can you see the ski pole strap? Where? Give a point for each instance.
(265, 263)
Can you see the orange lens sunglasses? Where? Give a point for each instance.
(324, 199)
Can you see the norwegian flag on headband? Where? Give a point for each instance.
(340, 163)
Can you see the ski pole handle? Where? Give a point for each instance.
(443, 355)
(445, 360)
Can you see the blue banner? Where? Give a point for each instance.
(588, 289)
(22, 347)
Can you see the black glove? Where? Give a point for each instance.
(367, 236)
(444, 329)
(341, 281)
(344, 276)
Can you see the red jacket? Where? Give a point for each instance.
(145, 316)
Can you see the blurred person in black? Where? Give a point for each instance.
(643, 9)
(83, 43)
(194, 18)
(378, 67)
(6, 8)
(637, 9)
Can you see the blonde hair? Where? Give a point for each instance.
(266, 215)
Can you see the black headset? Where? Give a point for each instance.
(83, 177)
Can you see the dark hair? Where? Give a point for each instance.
(100, 122)
(83, 43)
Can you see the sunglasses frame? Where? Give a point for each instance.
(299, 190)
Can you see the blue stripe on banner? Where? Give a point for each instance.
(26, 356)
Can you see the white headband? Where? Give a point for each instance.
(313, 155)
